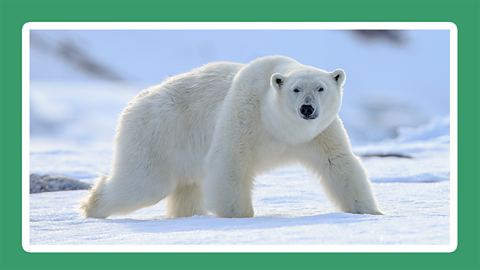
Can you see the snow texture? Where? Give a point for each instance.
(290, 206)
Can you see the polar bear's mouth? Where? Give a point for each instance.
(308, 112)
(311, 117)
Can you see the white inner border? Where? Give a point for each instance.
(237, 26)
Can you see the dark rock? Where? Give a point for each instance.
(386, 155)
(55, 182)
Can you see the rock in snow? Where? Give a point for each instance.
(55, 182)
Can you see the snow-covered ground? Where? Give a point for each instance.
(290, 206)
(73, 120)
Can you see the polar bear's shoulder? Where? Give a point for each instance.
(215, 68)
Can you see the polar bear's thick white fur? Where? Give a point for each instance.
(205, 134)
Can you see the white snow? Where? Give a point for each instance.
(290, 206)
(73, 120)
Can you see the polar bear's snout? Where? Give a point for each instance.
(308, 112)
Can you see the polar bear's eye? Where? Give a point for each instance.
(320, 89)
(296, 90)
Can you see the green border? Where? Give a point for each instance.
(15, 13)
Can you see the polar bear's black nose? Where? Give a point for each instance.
(307, 110)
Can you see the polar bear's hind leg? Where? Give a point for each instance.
(114, 196)
(185, 201)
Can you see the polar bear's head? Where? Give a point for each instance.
(307, 98)
(307, 92)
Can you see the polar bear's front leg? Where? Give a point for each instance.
(346, 184)
(343, 177)
(228, 185)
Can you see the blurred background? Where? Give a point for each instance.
(80, 80)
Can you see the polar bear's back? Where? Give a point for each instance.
(172, 123)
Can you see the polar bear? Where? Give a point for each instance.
(201, 137)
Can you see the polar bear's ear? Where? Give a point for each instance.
(277, 81)
(339, 76)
